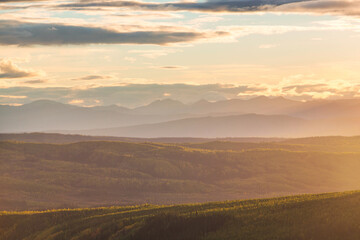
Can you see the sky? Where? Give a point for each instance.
(130, 53)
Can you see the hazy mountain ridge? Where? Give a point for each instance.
(321, 117)
(48, 115)
(248, 125)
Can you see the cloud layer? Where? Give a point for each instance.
(27, 34)
(133, 95)
(345, 7)
(208, 6)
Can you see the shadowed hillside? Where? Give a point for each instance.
(37, 176)
(321, 217)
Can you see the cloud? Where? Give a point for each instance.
(173, 67)
(28, 34)
(93, 77)
(336, 7)
(207, 6)
(19, 1)
(34, 81)
(133, 95)
(8, 69)
(130, 95)
(12, 96)
(76, 101)
(306, 88)
(301, 87)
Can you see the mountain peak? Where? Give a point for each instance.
(166, 101)
(44, 103)
(112, 107)
(162, 106)
(201, 102)
(259, 98)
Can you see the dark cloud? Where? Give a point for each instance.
(312, 6)
(27, 34)
(208, 6)
(335, 7)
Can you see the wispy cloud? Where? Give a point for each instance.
(93, 77)
(13, 96)
(76, 101)
(132, 95)
(302, 87)
(8, 69)
(35, 81)
(170, 67)
(19, 1)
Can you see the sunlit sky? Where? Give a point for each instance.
(133, 52)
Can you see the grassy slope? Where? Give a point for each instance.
(107, 173)
(319, 217)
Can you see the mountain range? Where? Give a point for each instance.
(257, 117)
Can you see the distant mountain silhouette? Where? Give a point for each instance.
(248, 125)
(256, 117)
(46, 115)
(347, 108)
(114, 108)
(259, 105)
(163, 107)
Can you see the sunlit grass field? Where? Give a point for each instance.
(323, 216)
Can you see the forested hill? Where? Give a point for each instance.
(111, 173)
(322, 217)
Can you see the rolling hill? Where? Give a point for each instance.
(330, 216)
(83, 174)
